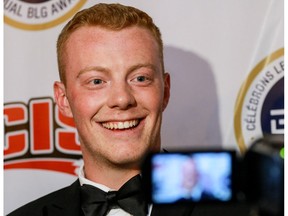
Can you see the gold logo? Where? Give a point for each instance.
(259, 108)
(39, 14)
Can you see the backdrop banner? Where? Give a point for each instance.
(225, 58)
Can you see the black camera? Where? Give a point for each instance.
(219, 177)
(262, 180)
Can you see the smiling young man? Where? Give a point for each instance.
(116, 91)
(113, 84)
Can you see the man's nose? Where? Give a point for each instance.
(121, 96)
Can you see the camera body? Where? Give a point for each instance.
(262, 170)
(219, 177)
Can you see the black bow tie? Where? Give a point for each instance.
(129, 197)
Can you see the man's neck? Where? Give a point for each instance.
(112, 177)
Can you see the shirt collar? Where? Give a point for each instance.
(83, 180)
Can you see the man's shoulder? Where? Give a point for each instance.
(38, 206)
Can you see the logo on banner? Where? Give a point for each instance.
(38, 136)
(39, 14)
(259, 107)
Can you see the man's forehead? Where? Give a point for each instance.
(92, 33)
(105, 41)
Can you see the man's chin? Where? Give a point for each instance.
(128, 161)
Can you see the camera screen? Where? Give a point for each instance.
(191, 177)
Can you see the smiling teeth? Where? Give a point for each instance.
(120, 125)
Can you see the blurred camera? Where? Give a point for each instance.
(219, 176)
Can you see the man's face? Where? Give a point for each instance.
(190, 174)
(116, 92)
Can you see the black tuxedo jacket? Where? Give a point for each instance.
(66, 202)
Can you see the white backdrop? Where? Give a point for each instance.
(212, 49)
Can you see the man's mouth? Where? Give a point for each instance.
(121, 125)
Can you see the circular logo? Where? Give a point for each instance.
(39, 14)
(259, 107)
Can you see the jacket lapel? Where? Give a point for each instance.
(67, 203)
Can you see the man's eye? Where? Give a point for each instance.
(141, 78)
(97, 81)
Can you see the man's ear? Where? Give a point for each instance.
(61, 99)
(166, 98)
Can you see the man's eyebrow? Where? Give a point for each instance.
(138, 66)
(93, 68)
(106, 70)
